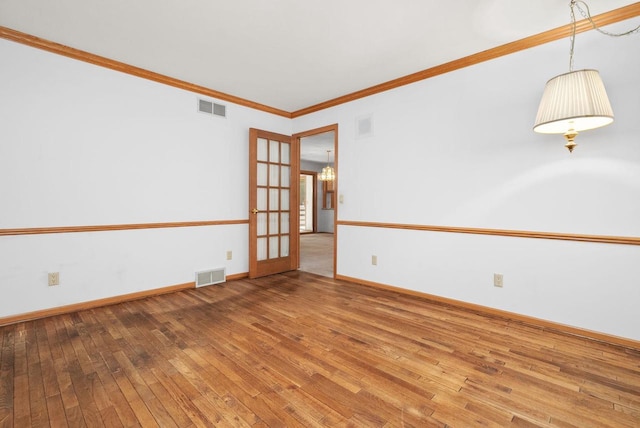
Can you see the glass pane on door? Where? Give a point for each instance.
(284, 195)
(286, 173)
(263, 154)
(284, 244)
(273, 224)
(274, 247)
(274, 181)
(284, 223)
(262, 224)
(274, 175)
(262, 249)
(274, 151)
(274, 203)
(262, 199)
(262, 174)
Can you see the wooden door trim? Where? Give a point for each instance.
(116, 227)
(322, 130)
(315, 195)
(601, 239)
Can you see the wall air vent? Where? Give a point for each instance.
(209, 277)
(212, 108)
(219, 110)
(205, 106)
(364, 126)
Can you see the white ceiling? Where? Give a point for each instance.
(287, 54)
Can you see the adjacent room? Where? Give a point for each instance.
(317, 203)
(287, 213)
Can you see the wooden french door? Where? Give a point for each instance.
(274, 168)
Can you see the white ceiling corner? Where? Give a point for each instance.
(287, 54)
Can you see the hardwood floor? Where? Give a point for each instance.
(303, 350)
(316, 253)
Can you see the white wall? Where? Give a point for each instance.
(458, 150)
(83, 145)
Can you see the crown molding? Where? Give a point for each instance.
(607, 18)
(77, 54)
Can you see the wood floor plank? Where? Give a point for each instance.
(55, 411)
(37, 400)
(22, 407)
(55, 407)
(157, 412)
(116, 400)
(134, 401)
(110, 417)
(301, 350)
(308, 409)
(67, 393)
(7, 376)
(232, 394)
(196, 417)
(84, 387)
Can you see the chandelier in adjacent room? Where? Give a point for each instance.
(328, 173)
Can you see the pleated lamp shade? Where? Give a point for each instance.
(575, 101)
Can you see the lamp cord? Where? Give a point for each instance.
(573, 34)
(587, 15)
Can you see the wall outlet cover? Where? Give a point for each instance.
(54, 279)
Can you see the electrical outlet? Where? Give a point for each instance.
(229, 255)
(54, 278)
(374, 260)
(498, 280)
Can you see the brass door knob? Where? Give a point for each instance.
(254, 211)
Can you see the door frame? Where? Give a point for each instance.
(296, 139)
(315, 196)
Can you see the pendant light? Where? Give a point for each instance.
(328, 173)
(575, 101)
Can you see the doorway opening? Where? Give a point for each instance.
(317, 235)
(308, 202)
